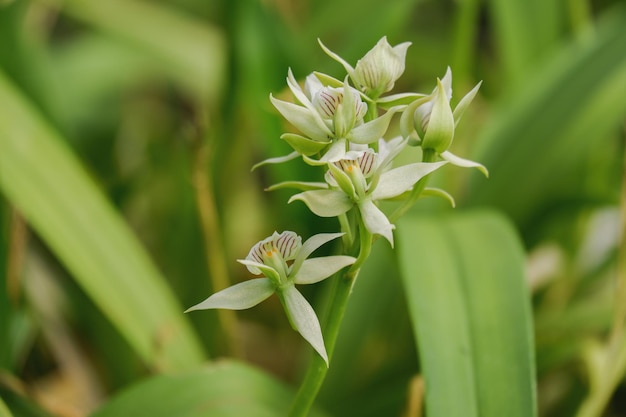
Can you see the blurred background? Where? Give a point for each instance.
(164, 107)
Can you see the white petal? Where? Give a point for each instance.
(317, 269)
(336, 152)
(398, 180)
(312, 243)
(325, 203)
(277, 160)
(337, 58)
(303, 319)
(465, 163)
(238, 297)
(464, 103)
(297, 91)
(376, 221)
(372, 131)
(307, 121)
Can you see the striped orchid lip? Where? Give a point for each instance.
(286, 244)
(327, 100)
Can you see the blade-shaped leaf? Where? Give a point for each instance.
(464, 279)
(224, 389)
(41, 177)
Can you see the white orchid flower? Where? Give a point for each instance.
(282, 259)
(360, 180)
(431, 122)
(377, 72)
(329, 118)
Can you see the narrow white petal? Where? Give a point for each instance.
(372, 131)
(238, 297)
(376, 221)
(317, 269)
(460, 108)
(337, 58)
(303, 319)
(465, 163)
(311, 244)
(277, 160)
(307, 121)
(398, 180)
(325, 203)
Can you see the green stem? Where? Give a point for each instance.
(428, 155)
(317, 370)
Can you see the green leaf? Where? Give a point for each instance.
(4, 411)
(45, 181)
(539, 147)
(470, 306)
(222, 390)
(190, 51)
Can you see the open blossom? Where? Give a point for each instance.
(329, 117)
(359, 180)
(282, 259)
(431, 122)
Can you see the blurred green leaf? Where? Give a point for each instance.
(464, 279)
(538, 147)
(17, 405)
(519, 47)
(191, 51)
(221, 390)
(4, 411)
(41, 177)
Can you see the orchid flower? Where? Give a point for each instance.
(329, 118)
(378, 70)
(362, 178)
(430, 121)
(282, 259)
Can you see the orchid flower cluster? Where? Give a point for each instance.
(342, 128)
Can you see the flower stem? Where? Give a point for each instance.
(317, 370)
(317, 367)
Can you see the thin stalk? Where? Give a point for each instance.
(317, 370)
(216, 263)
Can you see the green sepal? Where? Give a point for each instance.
(304, 145)
(438, 192)
(343, 181)
(298, 185)
(276, 160)
(440, 130)
(326, 79)
(401, 99)
(464, 104)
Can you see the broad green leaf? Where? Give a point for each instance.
(47, 184)
(467, 296)
(191, 51)
(538, 148)
(221, 390)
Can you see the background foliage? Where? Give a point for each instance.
(127, 133)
